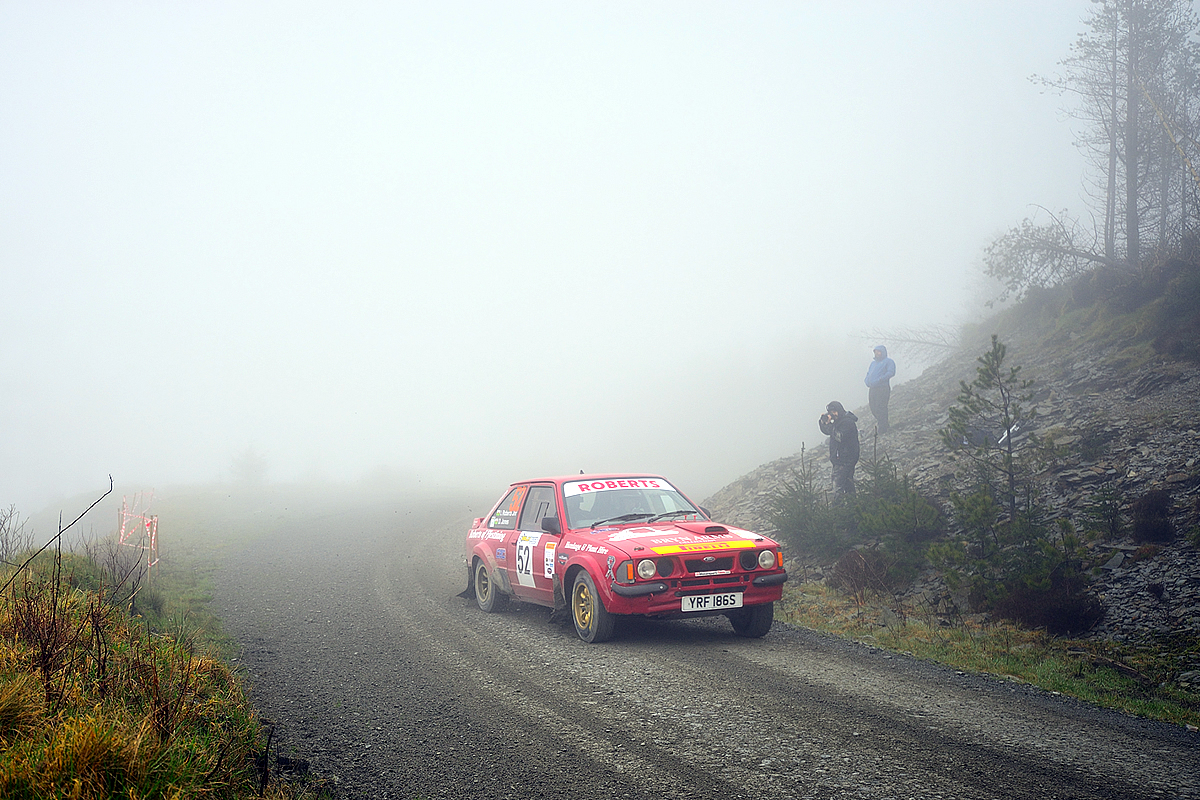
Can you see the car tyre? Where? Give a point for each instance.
(753, 621)
(593, 622)
(488, 596)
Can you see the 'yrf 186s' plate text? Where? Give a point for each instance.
(712, 602)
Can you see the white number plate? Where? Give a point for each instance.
(712, 602)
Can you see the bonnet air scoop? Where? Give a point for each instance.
(703, 528)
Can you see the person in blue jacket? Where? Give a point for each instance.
(879, 386)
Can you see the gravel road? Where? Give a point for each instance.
(359, 649)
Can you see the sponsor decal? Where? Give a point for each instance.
(502, 518)
(612, 560)
(501, 554)
(700, 547)
(706, 573)
(582, 487)
(486, 535)
(548, 561)
(634, 533)
(526, 544)
(514, 503)
(584, 547)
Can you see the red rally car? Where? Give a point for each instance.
(603, 545)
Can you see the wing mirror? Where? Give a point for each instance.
(550, 525)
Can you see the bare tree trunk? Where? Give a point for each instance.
(1132, 237)
(1110, 200)
(1164, 160)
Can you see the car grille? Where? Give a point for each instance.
(713, 581)
(700, 565)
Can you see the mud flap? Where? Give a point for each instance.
(561, 613)
(469, 592)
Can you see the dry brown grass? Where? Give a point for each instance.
(94, 706)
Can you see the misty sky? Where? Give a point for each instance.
(471, 242)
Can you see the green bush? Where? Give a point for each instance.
(1178, 324)
(1152, 517)
(808, 521)
(1103, 514)
(886, 514)
(1047, 586)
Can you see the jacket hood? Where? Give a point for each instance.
(880, 347)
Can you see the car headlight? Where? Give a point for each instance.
(748, 559)
(766, 558)
(646, 569)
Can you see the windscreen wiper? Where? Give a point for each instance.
(687, 513)
(623, 518)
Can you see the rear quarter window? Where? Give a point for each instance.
(508, 510)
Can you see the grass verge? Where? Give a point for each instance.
(97, 703)
(1138, 680)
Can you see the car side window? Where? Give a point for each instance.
(505, 516)
(539, 505)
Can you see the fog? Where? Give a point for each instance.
(460, 244)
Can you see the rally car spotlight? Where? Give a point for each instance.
(748, 559)
(646, 569)
(665, 567)
(766, 559)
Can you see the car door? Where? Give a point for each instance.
(532, 564)
(496, 532)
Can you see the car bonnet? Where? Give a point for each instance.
(675, 538)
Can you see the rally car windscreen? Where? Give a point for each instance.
(629, 499)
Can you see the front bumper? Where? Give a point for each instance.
(664, 597)
(777, 579)
(639, 589)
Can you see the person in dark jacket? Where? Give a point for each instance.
(879, 386)
(841, 426)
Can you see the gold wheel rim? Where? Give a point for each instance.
(583, 607)
(481, 581)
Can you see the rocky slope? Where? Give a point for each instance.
(1125, 429)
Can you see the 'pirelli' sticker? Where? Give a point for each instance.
(702, 546)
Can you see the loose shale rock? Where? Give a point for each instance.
(1124, 432)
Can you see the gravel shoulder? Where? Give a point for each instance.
(358, 648)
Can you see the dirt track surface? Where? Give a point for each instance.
(359, 650)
